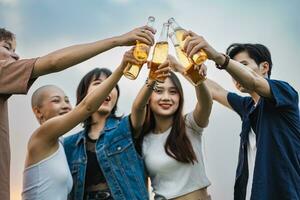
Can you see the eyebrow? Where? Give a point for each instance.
(56, 96)
(243, 61)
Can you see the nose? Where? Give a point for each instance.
(66, 106)
(165, 96)
(15, 56)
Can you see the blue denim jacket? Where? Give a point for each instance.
(121, 165)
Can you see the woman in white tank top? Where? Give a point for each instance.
(47, 175)
(171, 143)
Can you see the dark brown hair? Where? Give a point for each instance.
(6, 35)
(178, 145)
(83, 87)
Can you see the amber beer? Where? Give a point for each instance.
(140, 52)
(160, 53)
(189, 71)
(199, 57)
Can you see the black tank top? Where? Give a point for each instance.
(94, 175)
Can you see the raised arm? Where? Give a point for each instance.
(138, 110)
(218, 93)
(46, 136)
(204, 104)
(247, 77)
(67, 57)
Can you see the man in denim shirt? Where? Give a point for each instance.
(269, 156)
(102, 158)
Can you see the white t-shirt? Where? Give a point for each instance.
(251, 154)
(169, 177)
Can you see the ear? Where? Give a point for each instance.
(264, 68)
(38, 114)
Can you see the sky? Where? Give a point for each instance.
(48, 25)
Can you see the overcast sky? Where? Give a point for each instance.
(44, 26)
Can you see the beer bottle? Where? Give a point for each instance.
(199, 57)
(140, 53)
(189, 70)
(160, 53)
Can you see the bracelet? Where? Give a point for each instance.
(151, 86)
(225, 64)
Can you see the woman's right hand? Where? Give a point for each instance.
(128, 58)
(144, 34)
(175, 65)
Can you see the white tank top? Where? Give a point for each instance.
(49, 179)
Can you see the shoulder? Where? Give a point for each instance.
(283, 94)
(69, 140)
(191, 125)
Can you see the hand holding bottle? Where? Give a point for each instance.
(128, 58)
(162, 72)
(175, 65)
(195, 43)
(142, 34)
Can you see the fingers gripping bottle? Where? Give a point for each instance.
(191, 74)
(199, 57)
(160, 53)
(140, 53)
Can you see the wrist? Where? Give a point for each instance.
(219, 59)
(222, 61)
(151, 84)
(117, 41)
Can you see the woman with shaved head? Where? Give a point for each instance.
(47, 175)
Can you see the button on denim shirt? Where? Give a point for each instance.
(121, 165)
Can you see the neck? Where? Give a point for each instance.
(98, 123)
(162, 123)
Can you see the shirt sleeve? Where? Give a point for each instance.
(238, 103)
(191, 124)
(15, 77)
(284, 95)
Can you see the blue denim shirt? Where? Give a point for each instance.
(121, 165)
(276, 123)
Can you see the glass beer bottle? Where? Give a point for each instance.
(140, 53)
(189, 71)
(199, 57)
(160, 53)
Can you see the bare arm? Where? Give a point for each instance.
(218, 93)
(203, 106)
(45, 138)
(67, 57)
(248, 78)
(138, 110)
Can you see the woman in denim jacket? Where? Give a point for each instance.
(102, 157)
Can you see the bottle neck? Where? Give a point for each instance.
(164, 33)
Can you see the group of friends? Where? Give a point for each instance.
(113, 156)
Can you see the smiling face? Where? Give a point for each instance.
(164, 102)
(49, 102)
(7, 49)
(110, 101)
